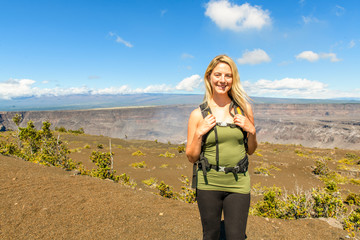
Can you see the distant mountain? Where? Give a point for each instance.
(77, 102)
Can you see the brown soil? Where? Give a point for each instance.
(39, 202)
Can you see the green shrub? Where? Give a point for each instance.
(151, 182)
(320, 168)
(138, 153)
(257, 153)
(352, 222)
(271, 205)
(347, 161)
(187, 193)
(353, 198)
(262, 170)
(103, 163)
(167, 154)
(79, 131)
(327, 204)
(334, 177)
(352, 156)
(315, 204)
(138, 164)
(60, 129)
(100, 146)
(181, 148)
(166, 190)
(355, 181)
(125, 179)
(9, 148)
(164, 165)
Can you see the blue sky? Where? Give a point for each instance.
(293, 49)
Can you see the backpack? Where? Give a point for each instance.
(203, 163)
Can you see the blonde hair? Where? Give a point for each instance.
(236, 93)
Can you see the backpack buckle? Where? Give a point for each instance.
(221, 169)
(222, 124)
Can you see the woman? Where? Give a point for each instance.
(221, 186)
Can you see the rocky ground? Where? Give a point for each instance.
(39, 202)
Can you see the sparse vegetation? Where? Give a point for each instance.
(151, 182)
(103, 162)
(181, 148)
(138, 164)
(262, 170)
(315, 203)
(164, 165)
(166, 190)
(353, 199)
(63, 130)
(60, 129)
(167, 155)
(187, 193)
(355, 181)
(352, 222)
(39, 146)
(257, 153)
(320, 168)
(275, 202)
(138, 153)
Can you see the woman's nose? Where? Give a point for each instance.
(222, 78)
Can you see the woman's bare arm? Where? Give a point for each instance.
(197, 128)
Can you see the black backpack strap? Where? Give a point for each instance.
(205, 110)
(202, 162)
(239, 110)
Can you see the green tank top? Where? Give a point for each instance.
(231, 151)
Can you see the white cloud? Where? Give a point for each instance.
(296, 88)
(331, 56)
(339, 10)
(237, 17)
(310, 19)
(189, 84)
(112, 90)
(313, 57)
(157, 88)
(17, 88)
(120, 40)
(308, 55)
(186, 56)
(256, 56)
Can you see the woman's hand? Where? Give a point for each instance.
(206, 124)
(244, 123)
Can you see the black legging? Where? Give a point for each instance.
(236, 210)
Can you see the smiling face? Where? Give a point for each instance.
(221, 78)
